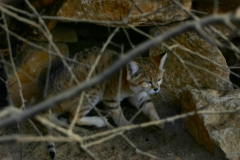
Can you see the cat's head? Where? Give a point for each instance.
(145, 74)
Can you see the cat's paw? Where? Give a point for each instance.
(125, 123)
(161, 125)
(100, 122)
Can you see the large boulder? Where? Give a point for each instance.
(203, 65)
(161, 12)
(217, 132)
(31, 65)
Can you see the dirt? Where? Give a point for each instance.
(171, 143)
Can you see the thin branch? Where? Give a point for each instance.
(13, 64)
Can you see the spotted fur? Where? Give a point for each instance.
(141, 77)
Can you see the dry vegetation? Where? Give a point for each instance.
(110, 142)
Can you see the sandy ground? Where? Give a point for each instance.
(171, 143)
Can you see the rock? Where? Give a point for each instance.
(61, 33)
(46, 7)
(218, 133)
(161, 12)
(205, 8)
(177, 78)
(26, 30)
(31, 64)
(208, 6)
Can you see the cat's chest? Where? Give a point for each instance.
(124, 95)
(117, 96)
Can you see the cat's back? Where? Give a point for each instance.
(61, 79)
(89, 57)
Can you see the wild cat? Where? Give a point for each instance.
(140, 78)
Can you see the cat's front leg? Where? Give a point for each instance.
(84, 120)
(142, 101)
(115, 112)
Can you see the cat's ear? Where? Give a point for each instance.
(163, 59)
(160, 60)
(132, 67)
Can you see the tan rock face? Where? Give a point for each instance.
(208, 6)
(216, 132)
(161, 12)
(32, 63)
(197, 72)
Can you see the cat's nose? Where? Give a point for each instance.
(155, 89)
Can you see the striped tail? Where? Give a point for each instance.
(51, 149)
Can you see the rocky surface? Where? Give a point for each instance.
(208, 6)
(205, 8)
(171, 143)
(219, 133)
(204, 65)
(31, 64)
(146, 12)
(26, 30)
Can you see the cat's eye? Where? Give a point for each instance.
(159, 79)
(149, 82)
